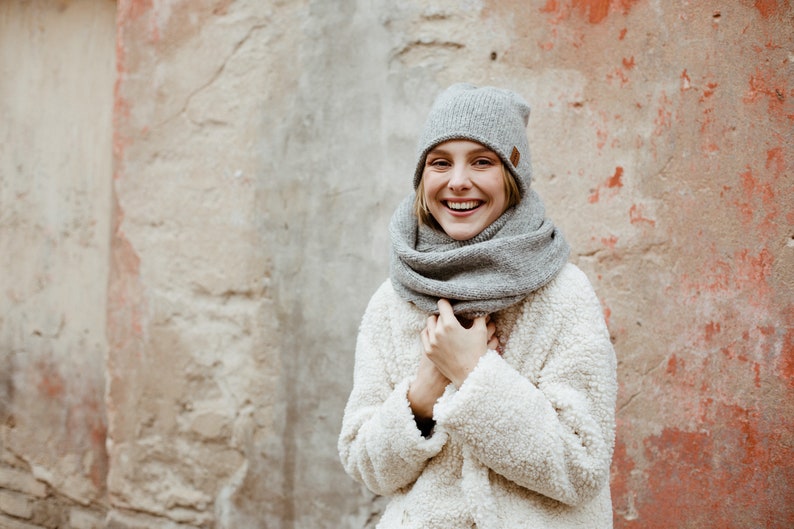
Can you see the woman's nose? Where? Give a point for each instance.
(459, 178)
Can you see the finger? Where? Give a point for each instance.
(425, 340)
(479, 322)
(445, 311)
(491, 330)
(431, 324)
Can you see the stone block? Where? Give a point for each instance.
(16, 504)
(85, 519)
(120, 520)
(11, 478)
(11, 523)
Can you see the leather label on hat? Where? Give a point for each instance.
(515, 156)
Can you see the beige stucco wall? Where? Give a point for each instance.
(56, 99)
(177, 332)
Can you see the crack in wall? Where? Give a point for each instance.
(212, 79)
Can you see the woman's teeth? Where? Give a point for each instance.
(461, 206)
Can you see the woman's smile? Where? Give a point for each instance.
(462, 206)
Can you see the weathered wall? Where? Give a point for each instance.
(259, 149)
(56, 80)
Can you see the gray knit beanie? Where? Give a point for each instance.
(494, 117)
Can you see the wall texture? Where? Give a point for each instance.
(56, 82)
(177, 326)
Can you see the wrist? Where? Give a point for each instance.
(421, 405)
(464, 372)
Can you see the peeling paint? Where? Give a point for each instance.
(609, 242)
(685, 464)
(786, 360)
(613, 182)
(597, 10)
(686, 82)
(771, 86)
(768, 8)
(744, 271)
(594, 11)
(757, 204)
(636, 216)
(664, 116)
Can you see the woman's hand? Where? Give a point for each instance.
(453, 349)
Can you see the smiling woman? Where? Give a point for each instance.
(484, 385)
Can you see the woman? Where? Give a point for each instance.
(484, 385)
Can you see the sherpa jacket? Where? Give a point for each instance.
(525, 442)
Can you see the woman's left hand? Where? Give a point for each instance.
(454, 349)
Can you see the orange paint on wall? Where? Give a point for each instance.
(616, 179)
(767, 8)
(686, 82)
(709, 91)
(775, 161)
(613, 182)
(636, 216)
(597, 10)
(609, 242)
(771, 85)
(786, 362)
(664, 116)
(732, 452)
(550, 7)
(672, 365)
(743, 272)
(711, 329)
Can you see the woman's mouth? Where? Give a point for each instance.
(466, 205)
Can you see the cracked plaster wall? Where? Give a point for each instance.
(56, 80)
(259, 149)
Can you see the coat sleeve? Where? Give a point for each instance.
(380, 444)
(554, 436)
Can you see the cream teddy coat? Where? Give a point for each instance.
(525, 442)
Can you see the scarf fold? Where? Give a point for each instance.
(516, 255)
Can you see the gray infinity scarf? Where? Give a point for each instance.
(516, 255)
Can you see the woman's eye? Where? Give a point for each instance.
(483, 162)
(439, 163)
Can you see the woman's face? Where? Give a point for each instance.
(464, 187)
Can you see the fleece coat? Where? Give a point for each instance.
(525, 442)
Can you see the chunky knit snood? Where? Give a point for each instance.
(516, 255)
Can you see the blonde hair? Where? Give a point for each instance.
(422, 212)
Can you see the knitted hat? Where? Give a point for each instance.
(494, 117)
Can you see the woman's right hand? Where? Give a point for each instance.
(426, 389)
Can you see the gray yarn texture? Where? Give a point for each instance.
(516, 255)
